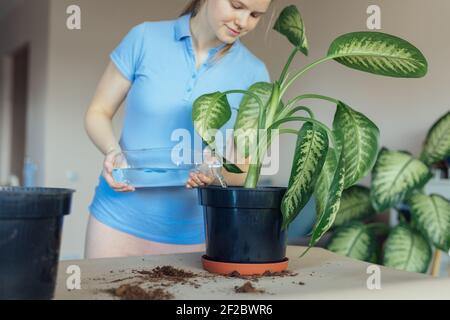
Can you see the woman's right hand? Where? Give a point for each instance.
(115, 159)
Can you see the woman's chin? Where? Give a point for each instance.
(227, 39)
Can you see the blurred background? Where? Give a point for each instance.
(49, 73)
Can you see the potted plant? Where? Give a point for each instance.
(398, 183)
(247, 225)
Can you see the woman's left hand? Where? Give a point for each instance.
(197, 179)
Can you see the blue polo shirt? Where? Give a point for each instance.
(159, 60)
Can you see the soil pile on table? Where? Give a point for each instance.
(267, 274)
(167, 274)
(247, 288)
(133, 292)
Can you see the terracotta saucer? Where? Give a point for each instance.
(244, 269)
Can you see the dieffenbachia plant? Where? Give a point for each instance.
(326, 160)
(398, 179)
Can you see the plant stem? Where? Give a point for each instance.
(261, 112)
(254, 171)
(302, 71)
(381, 227)
(285, 130)
(273, 105)
(288, 64)
(289, 112)
(310, 96)
(258, 99)
(285, 79)
(320, 124)
(312, 65)
(255, 167)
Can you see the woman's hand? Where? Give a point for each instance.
(197, 179)
(115, 159)
(206, 173)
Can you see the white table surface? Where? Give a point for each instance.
(325, 276)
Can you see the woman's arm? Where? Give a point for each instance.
(111, 91)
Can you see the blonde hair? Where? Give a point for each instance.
(193, 7)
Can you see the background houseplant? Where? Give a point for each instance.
(398, 182)
(317, 167)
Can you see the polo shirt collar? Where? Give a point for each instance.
(182, 30)
(182, 27)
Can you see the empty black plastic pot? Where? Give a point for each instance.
(243, 225)
(30, 235)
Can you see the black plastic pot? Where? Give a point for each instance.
(30, 234)
(243, 225)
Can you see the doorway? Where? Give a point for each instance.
(14, 114)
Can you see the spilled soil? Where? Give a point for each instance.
(267, 274)
(133, 292)
(158, 277)
(247, 288)
(153, 284)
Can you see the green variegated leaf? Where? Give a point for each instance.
(232, 168)
(407, 249)
(290, 24)
(209, 113)
(394, 176)
(355, 205)
(323, 183)
(380, 54)
(326, 218)
(437, 144)
(246, 126)
(432, 215)
(358, 137)
(310, 154)
(355, 240)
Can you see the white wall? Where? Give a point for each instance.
(61, 91)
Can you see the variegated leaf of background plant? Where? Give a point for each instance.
(432, 214)
(437, 144)
(355, 240)
(355, 205)
(407, 249)
(395, 175)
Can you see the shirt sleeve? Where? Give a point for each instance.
(126, 56)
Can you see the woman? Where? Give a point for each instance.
(161, 68)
